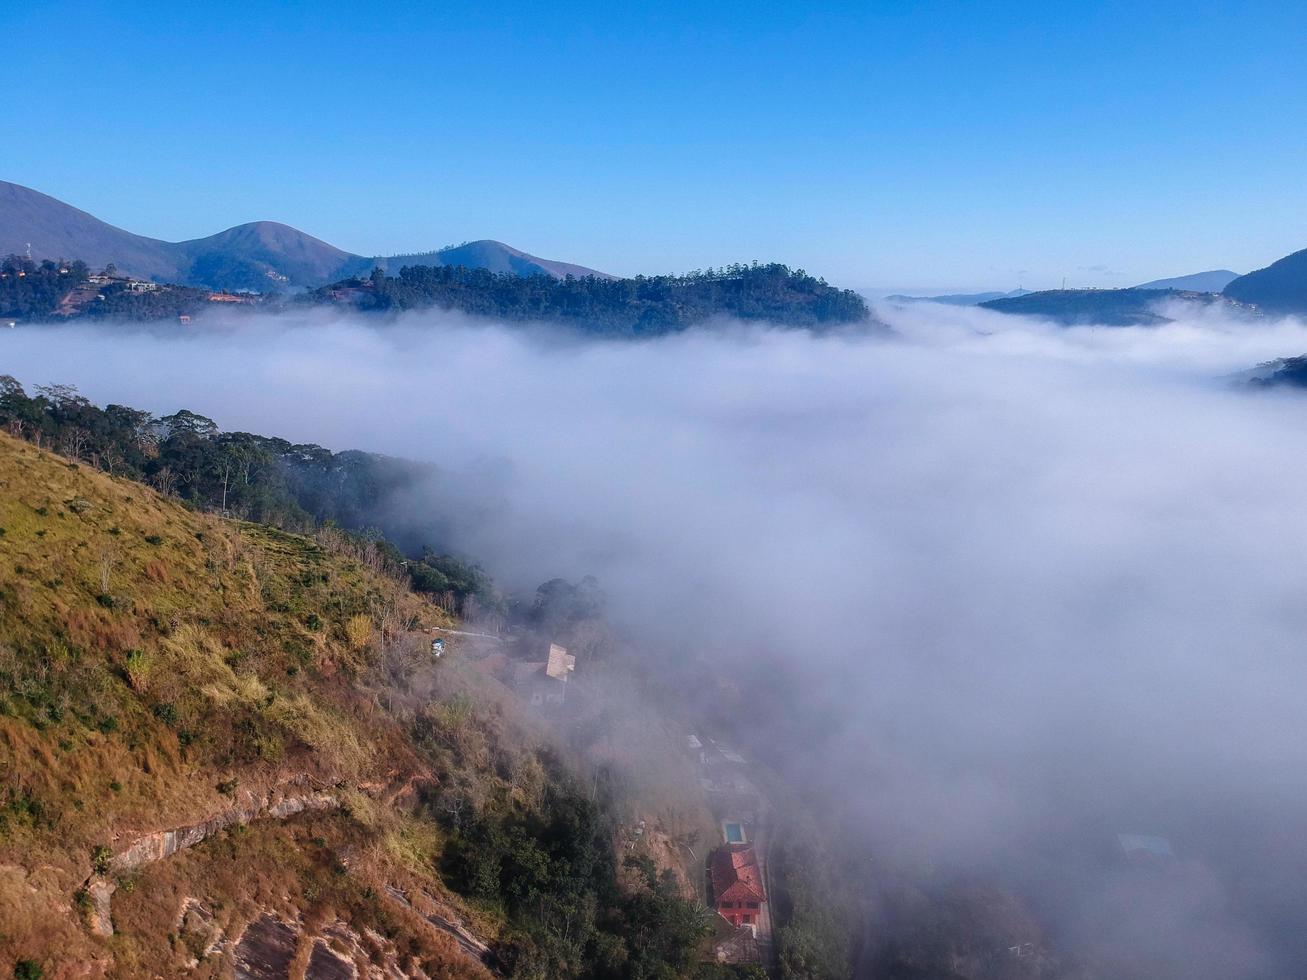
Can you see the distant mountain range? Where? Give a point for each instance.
(957, 299)
(1107, 307)
(259, 256)
(1199, 282)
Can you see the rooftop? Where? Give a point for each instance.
(736, 876)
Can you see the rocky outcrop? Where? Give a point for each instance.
(99, 893)
(265, 950)
(272, 946)
(443, 918)
(165, 843)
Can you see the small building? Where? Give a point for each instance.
(738, 892)
(184, 319)
(438, 647)
(544, 682)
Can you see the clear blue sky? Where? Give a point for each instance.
(892, 144)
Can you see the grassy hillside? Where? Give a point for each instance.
(170, 678)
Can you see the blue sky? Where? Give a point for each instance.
(880, 144)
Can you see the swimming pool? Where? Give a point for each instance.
(733, 832)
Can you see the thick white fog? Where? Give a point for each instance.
(1039, 585)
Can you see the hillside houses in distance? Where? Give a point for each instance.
(543, 683)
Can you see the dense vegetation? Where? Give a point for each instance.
(294, 487)
(552, 871)
(34, 289)
(643, 306)
(815, 931)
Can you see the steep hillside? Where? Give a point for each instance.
(163, 670)
(228, 747)
(1279, 288)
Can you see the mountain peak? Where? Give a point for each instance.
(256, 255)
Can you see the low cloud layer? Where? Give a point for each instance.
(1040, 585)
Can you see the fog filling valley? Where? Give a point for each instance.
(1015, 588)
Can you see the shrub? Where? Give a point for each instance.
(28, 970)
(139, 666)
(166, 712)
(358, 630)
(101, 857)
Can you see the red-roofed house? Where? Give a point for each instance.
(737, 888)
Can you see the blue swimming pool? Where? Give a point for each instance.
(734, 833)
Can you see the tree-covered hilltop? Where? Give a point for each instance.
(642, 306)
(50, 290)
(34, 289)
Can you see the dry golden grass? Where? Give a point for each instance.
(151, 658)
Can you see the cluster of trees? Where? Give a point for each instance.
(34, 289)
(815, 933)
(295, 487)
(551, 870)
(645, 305)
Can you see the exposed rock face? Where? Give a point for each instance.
(444, 919)
(98, 916)
(265, 950)
(326, 964)
(165, 843)
(196, 925)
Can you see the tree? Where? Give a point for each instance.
(186, 422)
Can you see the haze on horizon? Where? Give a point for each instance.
(894, 147)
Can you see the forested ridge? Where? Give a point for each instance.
(641, 306)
